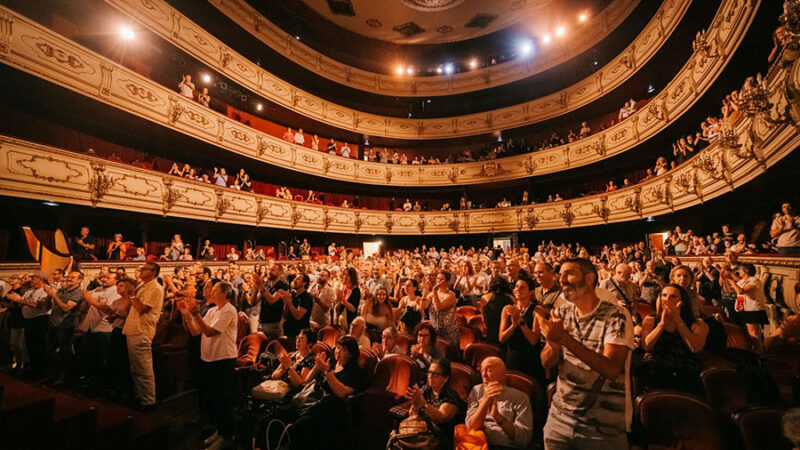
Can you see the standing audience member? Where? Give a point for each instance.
(590, 341)
(139, 329)
(186, 87)
(63, 317)
(83, 246)
(36, 305)
(298, 304)
(117, 249)
(786, 229)
(516, 333)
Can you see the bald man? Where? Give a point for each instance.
(501, 412)
(621, 286)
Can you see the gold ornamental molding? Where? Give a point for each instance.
(169, 23)
(584, 37)
(41, 52)
(764, 134)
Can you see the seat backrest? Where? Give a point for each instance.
(476, 352)
(737, 336)
(444, 348)
(723, 388)
(466, 335)
(761, 429)
(321, 347)
(328, 335)
(476, 322)
(535, 392)
(367, 361)
(395, 373)
(463, 378)
(242, 327)
(467, 311)
(676, 420)
(250, 347)
(275, 347)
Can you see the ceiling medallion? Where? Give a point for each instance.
(432, 5)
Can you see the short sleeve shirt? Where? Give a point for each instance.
(293, 326)
(223, 345)
(66, 319)
(150, 294)
(583, 394)
(791, 234)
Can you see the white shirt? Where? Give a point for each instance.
(222, 346)
(791, 235)
(299, 139)
(755, 300)
(95, 321)
(345, 151)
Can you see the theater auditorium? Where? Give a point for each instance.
(400, 224)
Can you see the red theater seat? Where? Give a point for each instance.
(405, 341)
(475, 353)
(328, 335)
(250, 348)
(321, 347)
(463, 378)
(477, 323)
(737, 337)
(367, 361)
(761, 429)
(535, 393)
(675, 420)
(723, 388)
(467, 311)
(466, 336)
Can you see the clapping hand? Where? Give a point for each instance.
(286, 360)
(552, 329)
(321, 363)
(415, 394)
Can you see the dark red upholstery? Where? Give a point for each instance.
(676, 420)
(324, 348)
(328, 335)
(242, 327)
(535, 393)
(467, 335)
(467, 311)
(761, 429)
(275, 347)
(724, 390)
(463, 378)
(404, 341)
(367, 361)
(394, 374)
(476, 322)
(711, 310)
(737, 337)
(250, 348)
(475, 353)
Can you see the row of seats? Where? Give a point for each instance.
(36, 416)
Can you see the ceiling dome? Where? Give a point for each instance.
(438, 21)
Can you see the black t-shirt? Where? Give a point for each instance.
(272, 313)
(80, 251)
(492, 313)
(293, 326)
(351, 376)
(354, 299)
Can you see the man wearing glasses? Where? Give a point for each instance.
(139, 329)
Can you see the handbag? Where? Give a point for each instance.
(310, 397)
(414, 432)
(465, 438)
(271, 390)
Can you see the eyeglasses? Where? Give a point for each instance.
(423, 335)
(440, 374)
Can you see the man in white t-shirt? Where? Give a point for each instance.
(96, 324)
(786, 228)
(299, 138)
(345, 150)
(590, 341)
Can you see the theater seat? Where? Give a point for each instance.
(675, 420)
(367, 361)
(242, 327)
(446, 349)
(723, 388)
(405, 341)
(463, 378)
(393, 375)
(476, 322)
(761, 429)
(475, 353)
(467, 311)
(537, 396)
(323, 348)
(328, 335)
(249, 349)
(737, 337)
(275, 347)
(466, 336)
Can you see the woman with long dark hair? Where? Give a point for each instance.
(517, 333)
(492, 305)
(672, 337)
(348, 298)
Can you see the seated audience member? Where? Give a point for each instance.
(117, 249)
(503, 413)
(296, 367)
(590, 341)
(672, 337)
(358, 331)
(187, 254)
(322, 424)
(425, 350)
(388, 344)
(232, 255)
(438, 402)
(378, 310)
(140, 255)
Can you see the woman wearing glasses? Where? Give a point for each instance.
(438, 402)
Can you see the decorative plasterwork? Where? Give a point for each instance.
(713, 172)
(128, 91)
(582, 39)
(160, 17)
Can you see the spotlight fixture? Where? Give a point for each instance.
(526, 48)
(50, 203)
(127, 33)
(560, 31)
(206, 78)
(650, 89)
(410, 70)
(439, 70)
(399, 70)
(297, 37)
(449, 69)
(547, 38)
(259, 107)
(473, 63)
(583, 17)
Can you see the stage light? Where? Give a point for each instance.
(439, 70)
(560, 31)
(650, 89)
(547, 38)
(259, 107)
(410, 70)
(127, 33)
(50, 203)
(473, 63)
(297, 37)
(583, 17)
(449, 69)
(206, 78)
(525, 48)
(399, 70)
